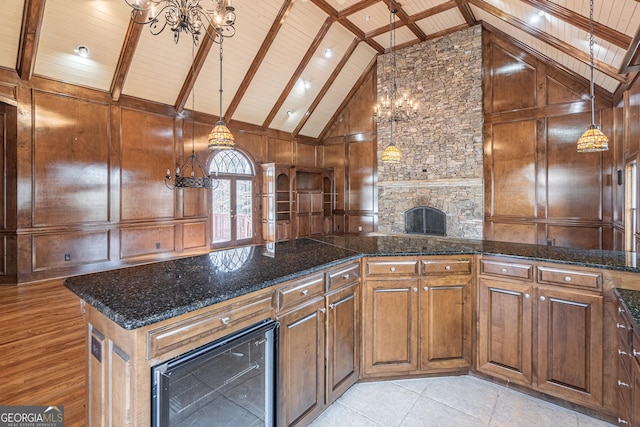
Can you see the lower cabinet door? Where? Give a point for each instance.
(505, 329)
(301, 364)
(390, 327)
(343, 353)
(445, 324)
(570, 345)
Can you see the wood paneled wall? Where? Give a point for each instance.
(538, 188)
(350, 149)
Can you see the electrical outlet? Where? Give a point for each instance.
(157, 245)
(359, 228)
(67, 257)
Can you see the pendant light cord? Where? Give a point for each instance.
(221, 40)
(592, 65)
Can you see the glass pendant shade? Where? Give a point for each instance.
(391, 155)
(593, 140)
(220, 137)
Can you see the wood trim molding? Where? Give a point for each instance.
(126, 56)
(29, 37)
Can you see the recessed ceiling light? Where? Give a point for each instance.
(367, 18)
(327, 53)
(82, 51)
(289, 113)
(307, 84)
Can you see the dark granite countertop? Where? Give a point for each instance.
(631, 300)
(138, 296)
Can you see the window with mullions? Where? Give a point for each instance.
(231, 199)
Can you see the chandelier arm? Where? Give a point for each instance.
(220, 90)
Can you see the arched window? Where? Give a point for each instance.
(231, 199)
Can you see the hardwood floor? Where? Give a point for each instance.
(42, 349)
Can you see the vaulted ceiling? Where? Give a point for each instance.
(292, 63)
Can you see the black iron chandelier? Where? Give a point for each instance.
(214, 18)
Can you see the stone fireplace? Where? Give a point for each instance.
(442, 148)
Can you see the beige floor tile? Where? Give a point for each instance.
(339, 415)
(514, 409)
(429, 413)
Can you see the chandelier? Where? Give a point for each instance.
(220, 137)
(393, 109)
(592, 139)
(215, 17)
(192, 173)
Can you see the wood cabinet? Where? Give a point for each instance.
(417, 315)
(314, 201)
(277, 202)
(319, 342)
(543, 331)
(628, 379)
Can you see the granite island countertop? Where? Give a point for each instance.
(141, 295)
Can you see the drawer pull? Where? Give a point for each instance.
(323, 310)
(621, 421)
(567, 278)
(622, 352)
(447, 267)
(503, 270)
(619, 326)
(636, 353)
(623, 384)
(392, 269)
(304, 292)
(345, 276)
(225, 320)
(620, 310)
(542, 298)
(527, 296)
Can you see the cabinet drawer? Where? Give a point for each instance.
(340, 277)
(506, 269)
(555, 276)
(392, 268)
(299, 291)
(208, 326)
(446, 266)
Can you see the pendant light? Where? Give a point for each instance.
(592, 139)
(220, 137)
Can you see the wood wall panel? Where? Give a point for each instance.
(513, 148)
(69, 249)
(334, 155)
(574, 189)
(575, 236)
(253, 144)
(558, 93)
(361, 107)
(363, 194)
(71, 160)
(194, 202)
(280, 151)
(618, 181)
(3, 162)
(194, 235)
(147, 241)
(147, 152)
(513, 82)
(516, 233)
(306, 155)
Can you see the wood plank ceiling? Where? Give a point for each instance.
(292, 62)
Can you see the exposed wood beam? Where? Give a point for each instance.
(126, 55)
(354, 8)
(433, 11)
(29, 37)
(194, 72)
(601, 31)
(298, 72)
(329, 10)
(465, 10)
(347, 98)
(334, 75)
(550, 40)
(262, 52)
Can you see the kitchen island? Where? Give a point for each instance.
(151, 313)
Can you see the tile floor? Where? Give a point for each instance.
(446, 401)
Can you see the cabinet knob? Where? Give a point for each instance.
(620, 310)
(567, 278)
(527, 296)
(621, 421)
(304, 292)
(542, 298)
(619, 326)
(323, 310)
(331, 306)
(620, 352)
(426, 288)
(636, 353)
(447, 267)
(623, 384)
(345, 276)
(415, 289)
(225, 320)
(392, 269)
(503, 270)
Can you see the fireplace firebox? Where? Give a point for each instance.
(227, 382)
(425, 220)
